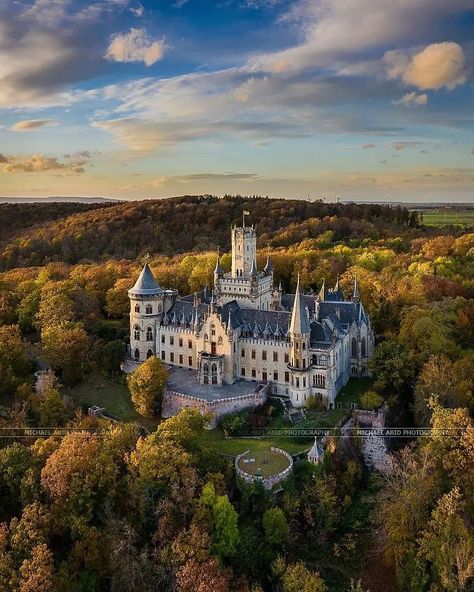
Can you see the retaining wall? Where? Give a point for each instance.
(173, 402)
(268, 482)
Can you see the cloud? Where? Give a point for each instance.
(439, 65)
(368, 146)
(135, 46)
(403, 145)
(27, 125)
(412, 99)
(137, 11)
(39, 163)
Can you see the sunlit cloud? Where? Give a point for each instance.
(135, 46)
(28, 125)
(439, 65)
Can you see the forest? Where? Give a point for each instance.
(150, 505)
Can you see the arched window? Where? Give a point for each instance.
(354, 347)
(136, 333)
(363, 347)
(205, 373)
(149, 354)
(149, 334)
(219, 341)
(314, 360)
(137, 354)
(148, 309)
(137, 308)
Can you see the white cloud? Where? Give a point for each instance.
(438, 65)
(28, 125)
(411, 99)
(135, 46)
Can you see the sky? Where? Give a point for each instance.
(138, 99)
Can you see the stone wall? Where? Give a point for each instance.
(173, 402)
(268, 482)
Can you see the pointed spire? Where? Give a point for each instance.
(322, 292)
(268, 265)
(356, 293)
(253, 271)
(299, 317)
(336, 287)
(218, 269)
(280, 289)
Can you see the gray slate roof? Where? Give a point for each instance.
(146, 285)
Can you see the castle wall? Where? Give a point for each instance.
(173, 402)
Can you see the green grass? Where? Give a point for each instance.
(353, 390)
(216, 440)
(439, 218)
(266, 463)
(111, 393)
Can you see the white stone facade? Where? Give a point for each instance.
(301, 345)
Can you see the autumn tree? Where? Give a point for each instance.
(37, 573)
(146, 385)
(65, 347)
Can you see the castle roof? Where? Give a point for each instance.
(146, 284)
(299, 317)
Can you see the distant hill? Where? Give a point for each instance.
(34, 234)
(57, 199)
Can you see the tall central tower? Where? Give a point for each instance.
(246, 285)
(244, 250)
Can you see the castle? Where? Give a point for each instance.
(247, 331)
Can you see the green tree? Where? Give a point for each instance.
(392, 367)
(275, 526)
(297, 578)
(146, 386)
(112, 356)
(449, 545)
(371, 400)
(225, 531)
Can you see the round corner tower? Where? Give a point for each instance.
(146, 311)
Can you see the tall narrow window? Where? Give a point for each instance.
(149, 334)
(354, 347)
(136, 333)
(148, 309)
(137, 308)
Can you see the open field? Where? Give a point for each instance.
(439, 218)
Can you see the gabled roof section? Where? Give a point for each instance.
(146, 284)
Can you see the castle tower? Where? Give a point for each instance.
(299, 366)
(245, 284)
(244, 250)
(147, 302)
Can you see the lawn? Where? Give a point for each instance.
(265, 463)
(111, 393)
(216, 440)
(462, 218)
(352, 391)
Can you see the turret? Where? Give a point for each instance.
(147, 301)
